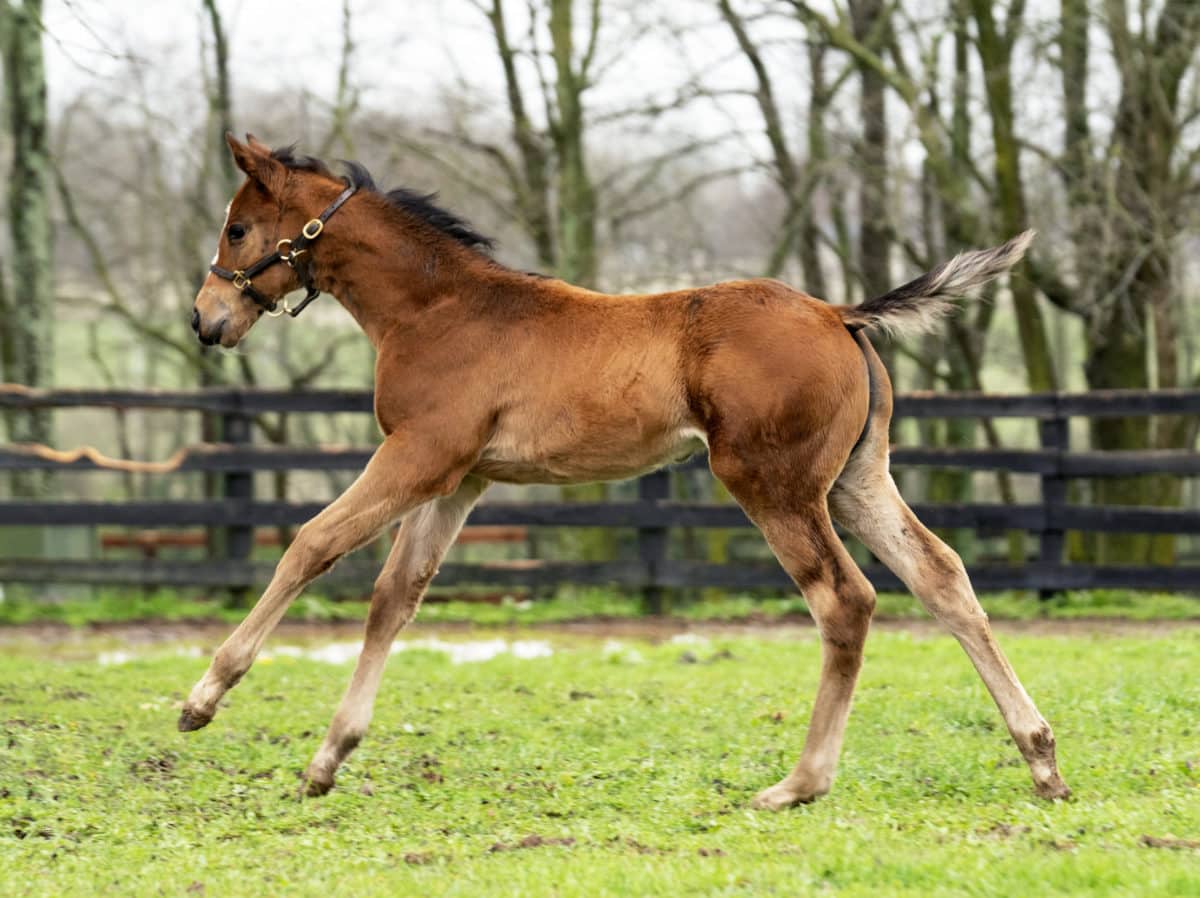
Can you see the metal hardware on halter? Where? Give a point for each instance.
(288, 256)
(287, 251)
(293, 310)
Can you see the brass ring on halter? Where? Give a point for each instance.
(276, 312)
(288, 255)
(240, 280)
(316, 226)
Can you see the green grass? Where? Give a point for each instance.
(623, 772)
(109, 606)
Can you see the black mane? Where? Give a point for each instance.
(419, 205)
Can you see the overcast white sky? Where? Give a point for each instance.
(407, 49)
(282, 44)
(404, 50)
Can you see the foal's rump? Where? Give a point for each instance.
(777, 381)
(778, 377)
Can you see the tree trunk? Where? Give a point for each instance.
(808, 251)
(874, 242)
(29, 306)
(576, 194)
(197, 231)
(533, 194)
(995, 55)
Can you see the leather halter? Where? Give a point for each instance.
(288, 252)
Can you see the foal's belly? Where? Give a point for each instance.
(605, 457)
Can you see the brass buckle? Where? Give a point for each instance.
(240, 280)
(288, 255)
(316, 226)
(282, 308)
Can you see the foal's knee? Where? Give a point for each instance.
(311, 554)
(230, 663)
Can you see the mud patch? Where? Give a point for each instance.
(1170, 842)
(153, 767)
(532, 841)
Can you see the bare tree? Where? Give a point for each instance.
(1129, 201)
(799, 180)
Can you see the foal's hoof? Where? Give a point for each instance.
(313, 785)
(782, 796)
(1053, 790)
(193, 720)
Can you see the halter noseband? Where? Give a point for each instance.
(288, 252)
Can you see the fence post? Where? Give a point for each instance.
(239, 538)
(1055, 435)
(652, 541)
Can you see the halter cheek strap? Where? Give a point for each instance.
(288, 252)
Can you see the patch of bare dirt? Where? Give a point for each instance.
(1171, 842)
(211, 633)
(532, 841)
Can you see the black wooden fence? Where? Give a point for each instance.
(652, 515)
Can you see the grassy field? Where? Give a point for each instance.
(604, 769)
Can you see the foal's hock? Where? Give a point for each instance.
(487, 374)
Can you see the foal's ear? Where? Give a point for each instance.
(257, 145)
(254, 158)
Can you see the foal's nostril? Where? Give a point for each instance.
(213, 336)
(196, 320)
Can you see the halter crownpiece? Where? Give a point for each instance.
(288, 252)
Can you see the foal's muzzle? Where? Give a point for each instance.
(209, 333)
(213, 336)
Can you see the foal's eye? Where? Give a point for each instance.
(236, 232)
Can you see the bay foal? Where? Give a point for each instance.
(487, 374)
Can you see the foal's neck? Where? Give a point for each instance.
(383, 266)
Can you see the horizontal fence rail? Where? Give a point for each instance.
(220, 457)
(653, 515)
(1093, 404)
(636, 515)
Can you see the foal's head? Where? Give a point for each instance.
(272, 205)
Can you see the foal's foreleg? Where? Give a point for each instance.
(374, 500)
(424, 537)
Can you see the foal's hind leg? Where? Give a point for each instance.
(865, 500)
(841, 600)
(423, 539)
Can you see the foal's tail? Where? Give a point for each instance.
(916, 307)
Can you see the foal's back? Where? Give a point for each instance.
(603, 387)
